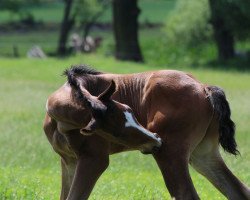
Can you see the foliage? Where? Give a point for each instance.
(236, 15)
(19, 7)
(51, 12)
(16, 6)
(86, 12)
(84, 9)
(188, 24)
(11, 5)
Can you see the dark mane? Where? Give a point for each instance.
(81, 70)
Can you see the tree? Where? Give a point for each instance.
(223, 34)
(125, 24)
(81, 13)
(230, 19)
(18, 7)
(10, 5)
(66, 26)
(186, 29)
(227, 20)
(92, 11)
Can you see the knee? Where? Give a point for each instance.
(98, 163)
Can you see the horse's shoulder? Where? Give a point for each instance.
(59, 97)
(60, 105)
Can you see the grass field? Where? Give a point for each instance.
(29, 169)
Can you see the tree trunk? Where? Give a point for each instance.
(223, 35)
(125, 15)
(66, 26)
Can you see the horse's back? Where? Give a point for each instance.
(174, 91)
(177, 105)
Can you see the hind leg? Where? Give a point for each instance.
(173, 163)
(207, 160)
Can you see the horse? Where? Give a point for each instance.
(166, 113)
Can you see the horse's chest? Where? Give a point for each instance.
(62, 146)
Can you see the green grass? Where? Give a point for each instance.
(24, 41)
(29, 169)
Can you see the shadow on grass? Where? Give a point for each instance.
(239, 63)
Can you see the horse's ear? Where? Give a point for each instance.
(89, 101)
(106, 95)
(90, 128)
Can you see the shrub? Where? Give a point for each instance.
(188, 23)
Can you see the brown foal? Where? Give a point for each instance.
(167, 113)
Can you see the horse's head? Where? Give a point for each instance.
(116, 122)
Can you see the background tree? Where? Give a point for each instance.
(67, 24)
(186, 29)
(230, 20)
(227, 20)
(81, 14)
(19, 7)
(222, 33)
(87, 17)
(10, 5)
(125, 24)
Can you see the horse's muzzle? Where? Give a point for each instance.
(153, 149)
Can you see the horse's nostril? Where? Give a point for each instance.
(159, 140)
(154, 150)
(146, 152)
(156, 135)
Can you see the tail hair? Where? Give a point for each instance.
(226, 125)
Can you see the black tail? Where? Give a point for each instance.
(226, 125)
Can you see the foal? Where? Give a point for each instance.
(85, 125)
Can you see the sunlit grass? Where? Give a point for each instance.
(29, 169)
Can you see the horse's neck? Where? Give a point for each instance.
(129, 90)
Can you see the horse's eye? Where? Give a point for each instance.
(99, 113)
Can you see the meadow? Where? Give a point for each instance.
(29, 169)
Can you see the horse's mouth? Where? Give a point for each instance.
(153, 150)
